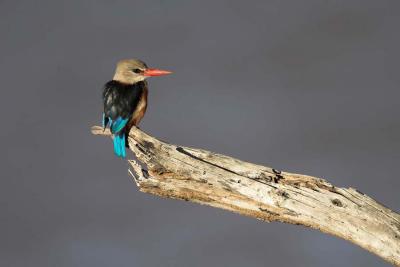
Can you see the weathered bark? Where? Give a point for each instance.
(261, 192)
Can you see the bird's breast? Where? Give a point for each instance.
(140, 108)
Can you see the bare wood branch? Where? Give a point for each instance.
(261, 192)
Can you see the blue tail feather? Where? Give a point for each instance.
(116, 127)
(119, 145)
(116, 145)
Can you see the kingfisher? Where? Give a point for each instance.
(125, 100)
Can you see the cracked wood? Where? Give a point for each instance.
(261, 192)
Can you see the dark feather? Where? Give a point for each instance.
(121, 100)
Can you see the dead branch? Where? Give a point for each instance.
(261, 192)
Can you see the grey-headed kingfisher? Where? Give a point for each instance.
(125, 99)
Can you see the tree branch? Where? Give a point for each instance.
(261, 192)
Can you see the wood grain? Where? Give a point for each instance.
(262, 192)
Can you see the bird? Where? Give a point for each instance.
(125, 100)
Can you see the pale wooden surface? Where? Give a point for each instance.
(262, 192)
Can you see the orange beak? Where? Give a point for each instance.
(155, 72)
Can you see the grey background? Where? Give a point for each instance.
(304, 86)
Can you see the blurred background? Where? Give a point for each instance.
(304, 86)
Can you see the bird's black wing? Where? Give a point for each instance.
(120, 101)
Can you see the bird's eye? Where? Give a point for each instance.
(137, 70)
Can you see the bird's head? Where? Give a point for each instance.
(131, 71)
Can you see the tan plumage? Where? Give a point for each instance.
(124, 72)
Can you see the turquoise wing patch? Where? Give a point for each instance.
(118, 124)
